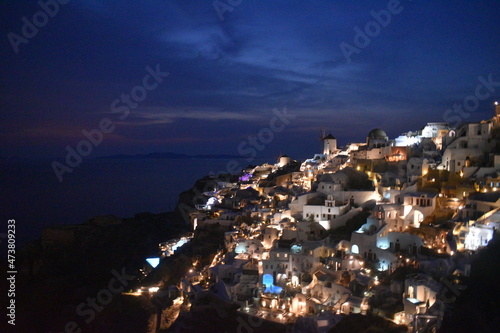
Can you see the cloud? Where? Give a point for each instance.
(231, 73)
(164, 115)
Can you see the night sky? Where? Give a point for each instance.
(229, 70)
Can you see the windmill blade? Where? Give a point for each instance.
(279, 155)
(323, 133)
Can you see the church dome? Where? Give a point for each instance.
(377, 134)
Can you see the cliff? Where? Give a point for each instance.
(71, 264)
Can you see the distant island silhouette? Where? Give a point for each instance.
(166, 155)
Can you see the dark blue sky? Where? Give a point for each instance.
(226, 76)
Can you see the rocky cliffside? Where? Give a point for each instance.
(66, 276)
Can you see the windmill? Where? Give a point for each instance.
(283, 159)
(277, 158)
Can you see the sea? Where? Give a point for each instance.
(31, 194)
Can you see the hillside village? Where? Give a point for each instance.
(387, 227)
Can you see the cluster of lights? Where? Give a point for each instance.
(274, 304)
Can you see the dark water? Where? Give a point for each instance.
(31, 194)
